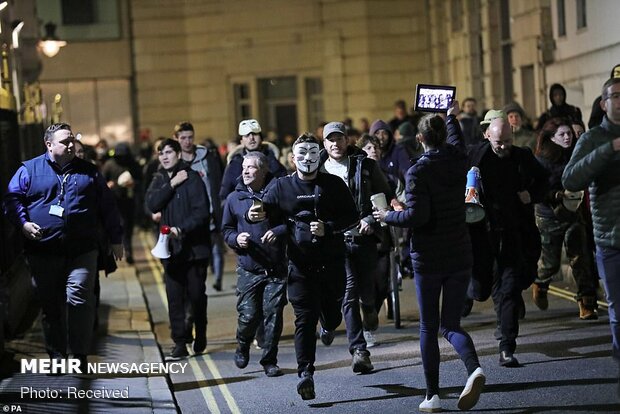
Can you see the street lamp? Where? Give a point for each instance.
(50, 44)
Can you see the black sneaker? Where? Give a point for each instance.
(242, 357)
(272, 370)
(305, 386)
(327, 337)
(179, 351)
(200, 344)
(217, 286)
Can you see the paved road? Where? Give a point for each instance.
(566, 363)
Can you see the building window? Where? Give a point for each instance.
(314, 102)
(561, 19)
(582, 21)
(456, 15)
(243, 108)
(76, 12)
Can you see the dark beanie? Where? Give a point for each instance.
(377, 125)
(406, 129)
(514, 107)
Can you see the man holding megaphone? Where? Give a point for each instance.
(180, 195)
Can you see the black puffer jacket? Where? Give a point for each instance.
(436, 207)
(185, 207)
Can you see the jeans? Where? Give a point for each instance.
(555, 234)
(361, 263)
(608, 260)
(315, 293)
(260, 301)
(452, 287)
(186, 280)
(65, 287)
(217, 255)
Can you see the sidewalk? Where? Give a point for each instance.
(124, 335)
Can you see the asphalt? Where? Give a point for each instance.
(566, 364)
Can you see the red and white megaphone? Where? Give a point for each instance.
(161, 250)
(474, 211)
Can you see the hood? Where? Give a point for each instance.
(554, 87)
(201, 153)
(379, 124)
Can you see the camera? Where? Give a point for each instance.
(433, 98)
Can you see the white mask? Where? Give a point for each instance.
(306, 157)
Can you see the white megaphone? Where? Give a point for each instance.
(161, 250)
(474, 211)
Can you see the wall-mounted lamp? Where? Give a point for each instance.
(50, 44)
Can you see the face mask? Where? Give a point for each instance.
(306, 157)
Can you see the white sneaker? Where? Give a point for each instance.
(256, 345)
(431, 406)
(370, 339)
(471, 393)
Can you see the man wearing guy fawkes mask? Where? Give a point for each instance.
(318, 208)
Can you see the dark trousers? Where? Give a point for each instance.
(360, 264)
(65, 285)
(260, 301)
(186, 279)
(382, 279)
(452, 288)
(510, 280)
(315, 293)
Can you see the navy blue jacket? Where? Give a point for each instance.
(258, 257)
(436, 208)
(87, 202)
(185, 207)
(234, 168)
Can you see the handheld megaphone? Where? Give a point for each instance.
(474, 211)
(161, 250)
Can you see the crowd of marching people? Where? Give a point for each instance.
(313, 223)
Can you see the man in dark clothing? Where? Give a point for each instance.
(123, 176)
(57, 201)
(559, 108)
(470, 123)
(364, 178)
(319, 209)
(512, 181)
(251, 140)
(178, 193)
(260, 248)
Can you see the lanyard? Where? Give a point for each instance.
(62, 182)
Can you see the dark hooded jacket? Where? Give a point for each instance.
(395, 160)
(564, 110)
